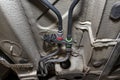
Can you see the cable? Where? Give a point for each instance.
(49, 56)
(42, 70)
(69, 34)
(59, 60)
(49, 5)
(43, 66)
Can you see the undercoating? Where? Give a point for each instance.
(25, 22)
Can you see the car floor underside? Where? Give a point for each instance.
(59, 40)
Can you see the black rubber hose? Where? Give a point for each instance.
(49, 5)
(70, 20)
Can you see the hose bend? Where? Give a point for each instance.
(70, 22)
(49, 56)
(50, 6)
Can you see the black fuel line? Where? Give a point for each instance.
(50, 6)
(59, 36)
(70, 20)
(60, 28)
(70, 24)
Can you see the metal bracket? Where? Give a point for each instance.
(86, 26)
(24, 71)
(15, 66)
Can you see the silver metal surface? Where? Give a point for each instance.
(77, 59)
(30, 75)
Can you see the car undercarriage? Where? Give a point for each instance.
(59, 40)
